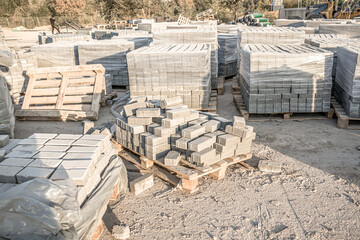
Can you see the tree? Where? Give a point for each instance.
(233, 5)
(70, 7)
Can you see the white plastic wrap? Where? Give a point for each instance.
(111, 54)
(7, 118)
(64, 37)
(140, 40)
(227, 54)
(285, 78)
(347, 82)
(164, 71)
(56, 54)
(39, 209)
(344, 30)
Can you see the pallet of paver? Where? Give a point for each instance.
(285, 78)
(94, 174)
(44, 38)
(321, 22)
(192, 36)
(171, 135)
(163, 71)
(15, 74)
(56, 54)
(63, 93)
(343, 30)
(331, 43)
(347, 81)
(320, 36)
(7, 119)
(109, 53)
(227, 54)
(139, 40)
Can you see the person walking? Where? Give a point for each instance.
(53, 25)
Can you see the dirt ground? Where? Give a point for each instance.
(316, 196)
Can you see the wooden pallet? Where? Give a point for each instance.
(235, 86)
(343, 121)
(63, 93)
(186, 175)
(277, 116)
(212, 103)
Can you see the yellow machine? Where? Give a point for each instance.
(335, 9)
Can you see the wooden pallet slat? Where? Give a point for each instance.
(188, 173)
(343, 121)
(68, 93)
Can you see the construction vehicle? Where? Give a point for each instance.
(334, 9)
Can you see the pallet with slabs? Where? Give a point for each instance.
(277, 116)
(343, 121)
(186, 174)
(212, 103)
(63, 93)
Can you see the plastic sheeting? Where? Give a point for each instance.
(6, 57)
(227, 54)
(39, 209)
(285, 78)
(347, 82)
(111, 54)
(56, 54)
(7, 118)
(45, 209)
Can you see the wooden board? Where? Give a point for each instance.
(343, 121)
(63, 93)
(278, 116)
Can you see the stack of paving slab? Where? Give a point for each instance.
(347, 82)
(330, 42)
(7, 117)
(343, 30)
(44, 39)
(192, 36)
(15, 74)
(268, 36)
(56, 54)
(168, 131)
(140, 40)
(289, 23)
(163, 71)
(227, 53)
(81, 158)
(111, 54)
(285, 78)
(109, 34)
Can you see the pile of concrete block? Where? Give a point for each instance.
(319, 36)
(285, 78)
(330, 42)
(270, 35)
(227, 53)
(316, 23)
(44, 38)
(79, 157)
(109, 34)
(7, 117)
(15, 74)
(168, 131)
(289, 23)
(163, 71)
(192, 36)
(347, 82)
(343, 30)
(56, 54)
(139, 40)
(111, 54)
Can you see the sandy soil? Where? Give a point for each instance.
(316, 196)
